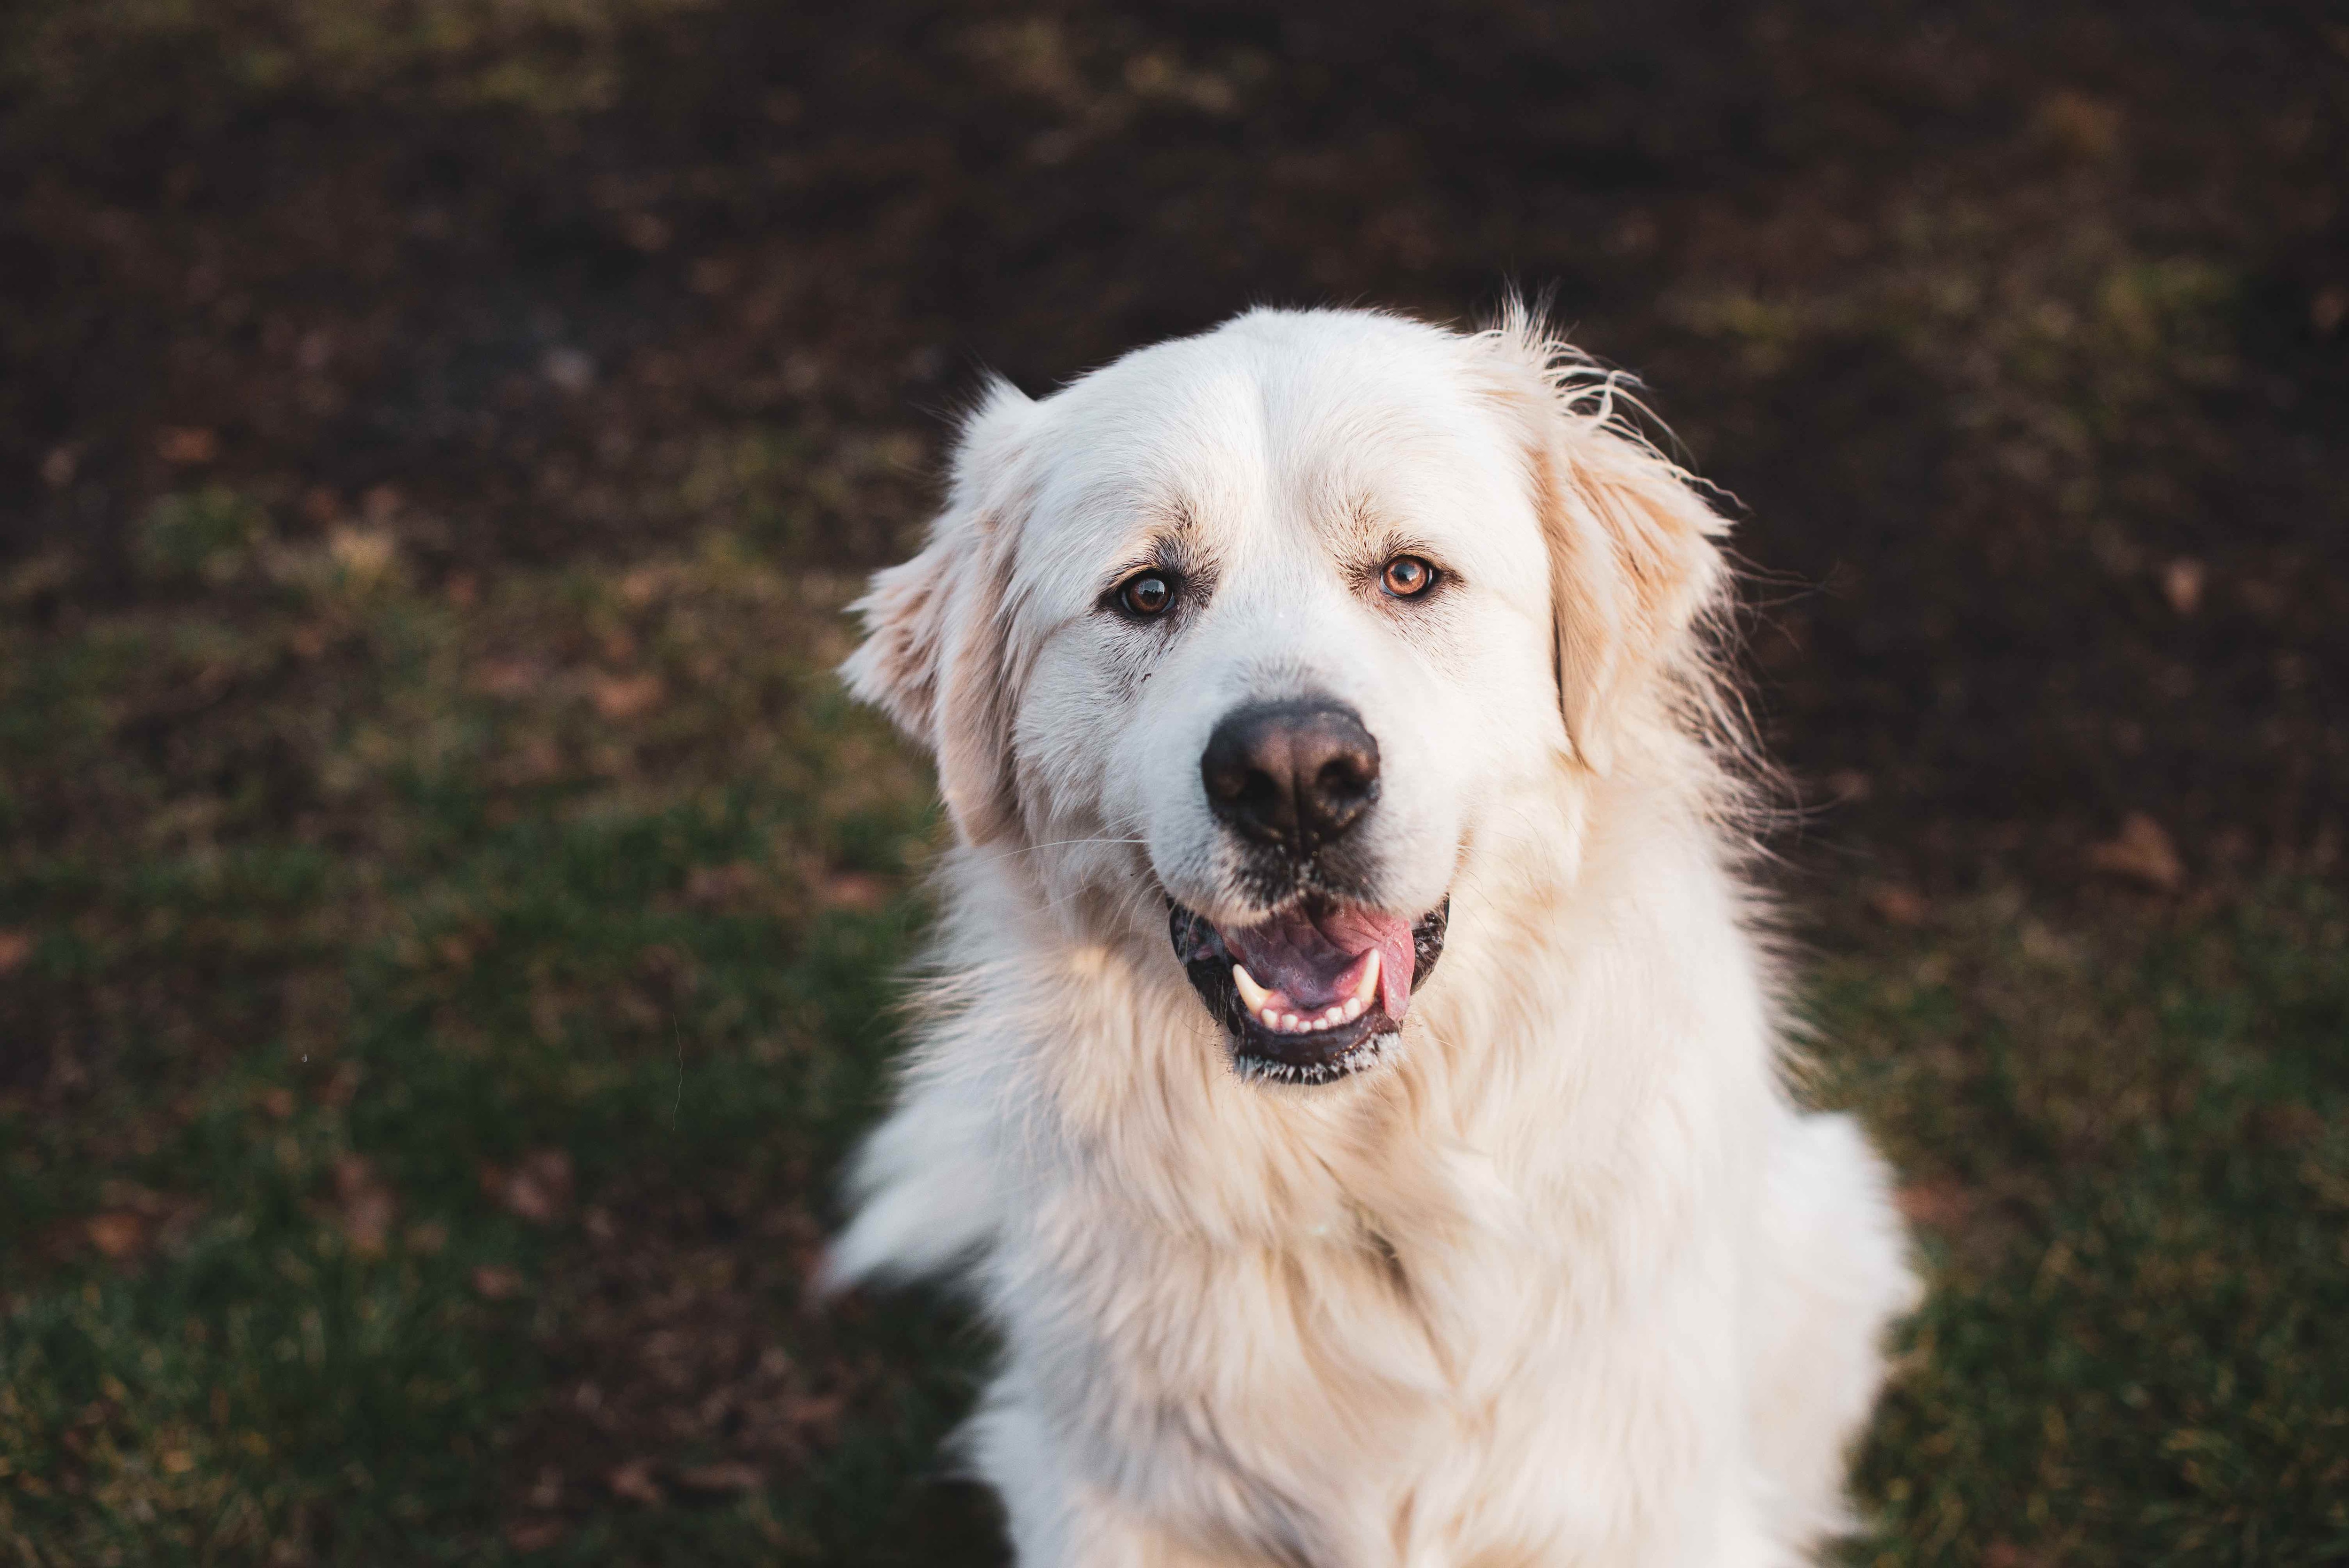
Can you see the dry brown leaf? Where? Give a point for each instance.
(626, 696)
(2328, 307)
(2182, 585)
(496, 1282)
(509, 677)
(1849, 784)
(16, 946)
(365, 1206)
(538, 1189)
(726, 1476)
(853, 890)
(1942, 1205)
(715, 887)
(536, 1534)
(814, 1414)
(633, 1481)
(2142, 853)
(186, 445)
(120, 1234)
(1899, 904)
(640, 586)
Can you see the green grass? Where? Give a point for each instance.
(432, 1018)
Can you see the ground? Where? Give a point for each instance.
(446, 908)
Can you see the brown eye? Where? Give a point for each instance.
(1147, 595)
(1407, 577)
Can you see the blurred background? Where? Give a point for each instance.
(447, 909)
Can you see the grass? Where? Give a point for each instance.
(432, 1013)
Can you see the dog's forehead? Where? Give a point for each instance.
(1340, 424)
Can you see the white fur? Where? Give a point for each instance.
(1567, 1279)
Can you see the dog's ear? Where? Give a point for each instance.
(934, 655)
(1633, 558)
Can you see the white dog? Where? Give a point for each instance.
(1330, 644)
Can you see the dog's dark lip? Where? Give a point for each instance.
(1258, 1052)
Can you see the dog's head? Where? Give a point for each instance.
(1267, 624)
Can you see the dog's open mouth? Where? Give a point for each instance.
(1314, 993)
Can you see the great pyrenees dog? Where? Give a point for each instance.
(1349, 1076)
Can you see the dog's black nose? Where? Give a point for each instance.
(1296, 774)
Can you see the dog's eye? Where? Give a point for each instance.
(1407, 577)
(1147, 594)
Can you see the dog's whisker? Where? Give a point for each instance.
(1055, 844)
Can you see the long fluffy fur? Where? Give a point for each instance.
(1570, 1281)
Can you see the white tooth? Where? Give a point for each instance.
(1353, 1009)
(1251, 993)
(1368, 986)
(1271, 1017)
(1288, 1022)
(1333, 1016)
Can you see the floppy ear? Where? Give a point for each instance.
(933, 657)
(1633, 562)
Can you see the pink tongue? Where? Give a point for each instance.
(1314, 961)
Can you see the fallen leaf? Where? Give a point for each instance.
(1942, 1205)
(633, 1481)
(177, 1461)
(538, 1189)
(1850, 784)
(1899, 904)
(814, 1414)
(729, 1476)
(184, 445)
(363, 553)
(278, 1102)
(496, 1282)
(16, 946)
(2078, 124)
(640, 586)
(626, 696)
(365, 1205)
(119, 1235)
(341, 1087)
(2182, 585)
(853, 890)
(2287, 1126)
(536, 1534)
(509, 677)
(2327, 308)
(714, 887)
(2142, 853)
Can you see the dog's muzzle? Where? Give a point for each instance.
(1312, 994)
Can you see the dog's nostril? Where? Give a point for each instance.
(1296, 774)
(1340, 778)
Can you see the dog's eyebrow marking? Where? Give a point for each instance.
(1174, 529)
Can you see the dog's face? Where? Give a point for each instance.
(1270, 622)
